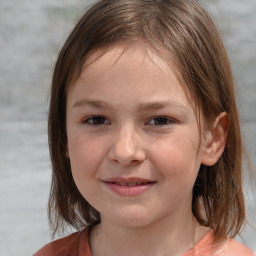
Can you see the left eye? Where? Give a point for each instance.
(160, 121)
(96, 120)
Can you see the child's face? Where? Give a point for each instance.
(129, 121)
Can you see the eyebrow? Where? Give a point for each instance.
(141, 107)
(159, 105)
(92, 103)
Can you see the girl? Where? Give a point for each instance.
(144, 135)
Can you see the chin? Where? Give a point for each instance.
(132, 218)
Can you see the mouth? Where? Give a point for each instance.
(132, 181)
(129, 186)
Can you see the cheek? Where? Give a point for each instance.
(177, 160)
(178, 167)
(85, 161)
(84, 155)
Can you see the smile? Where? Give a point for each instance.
(129, 187)
(129, 184)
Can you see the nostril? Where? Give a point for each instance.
(127, 159)
(126, 148)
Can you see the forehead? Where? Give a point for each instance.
(137, 61)
(119, 54)
(132, 68)
(153, 59)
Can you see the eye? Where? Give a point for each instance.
(96, 120)
(160, 120)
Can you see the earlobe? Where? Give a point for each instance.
(215, 141)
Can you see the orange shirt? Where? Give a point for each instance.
(77, 244)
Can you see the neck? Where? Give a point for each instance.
(169, 236)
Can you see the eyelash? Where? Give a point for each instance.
(100, 120)
(161, 119)
(91, 120)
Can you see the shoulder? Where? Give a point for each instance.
(232, 247)
(67, 246)
(61, 247)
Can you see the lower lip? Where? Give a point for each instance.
(129, 190)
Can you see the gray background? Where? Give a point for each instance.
(31, 34)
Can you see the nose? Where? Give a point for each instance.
(126, 147)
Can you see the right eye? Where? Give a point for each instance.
(96, 120)
(160, 121)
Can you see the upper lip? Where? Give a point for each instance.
(128, 180)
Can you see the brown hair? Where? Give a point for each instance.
(183, 32)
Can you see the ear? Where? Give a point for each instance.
(215, 140)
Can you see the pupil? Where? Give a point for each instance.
(98, 120)
(160, 120)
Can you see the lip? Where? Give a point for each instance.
(129, 187)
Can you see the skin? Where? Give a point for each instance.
(128, 116)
